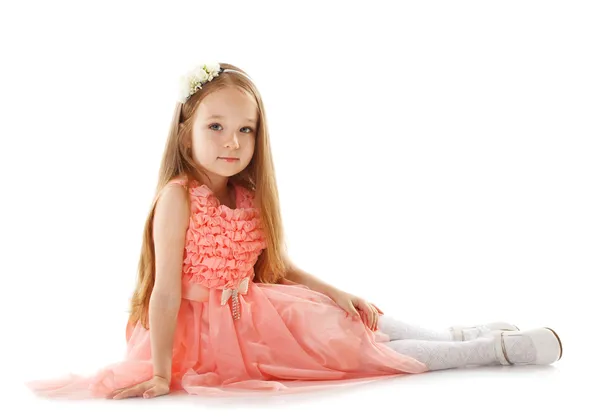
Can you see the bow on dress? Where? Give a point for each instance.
(233, 294)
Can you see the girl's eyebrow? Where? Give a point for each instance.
(218, 116)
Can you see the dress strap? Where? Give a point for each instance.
(178, 180)
(183, 181)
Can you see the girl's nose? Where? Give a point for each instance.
(234, 142)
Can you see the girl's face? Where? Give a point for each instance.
(224, 127)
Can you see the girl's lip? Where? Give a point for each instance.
(227, 158)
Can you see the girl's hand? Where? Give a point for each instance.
(369, 312)
(153, 387)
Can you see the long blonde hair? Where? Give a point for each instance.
(258, 177)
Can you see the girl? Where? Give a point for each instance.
(219, 308)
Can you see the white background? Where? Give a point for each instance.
(439, 159)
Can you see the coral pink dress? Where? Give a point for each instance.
(236, 336)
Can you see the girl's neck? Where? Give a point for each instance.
(226, 196)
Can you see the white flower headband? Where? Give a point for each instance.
(192, 81)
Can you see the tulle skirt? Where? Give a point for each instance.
(288, 338)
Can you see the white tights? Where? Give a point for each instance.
(436, 348)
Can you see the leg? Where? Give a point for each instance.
(445, 354)
(399, 330)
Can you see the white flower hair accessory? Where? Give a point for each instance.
(193, 80)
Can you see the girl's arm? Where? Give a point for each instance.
(300, 276)
(171, 220)
(346, 301)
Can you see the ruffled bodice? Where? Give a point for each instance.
(222, 244)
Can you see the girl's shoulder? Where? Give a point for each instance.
(181, 180)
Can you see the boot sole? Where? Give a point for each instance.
(559, 342)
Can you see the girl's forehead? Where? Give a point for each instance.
(231, 103)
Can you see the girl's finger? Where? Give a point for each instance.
(130, 392)
(375, 317)
(364, 306)
(350, 313)
(123, 394)
(150, 393)
(370, 313)
(117, 392)
(353, 311)
(364, 318)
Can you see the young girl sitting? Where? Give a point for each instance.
(219, 307)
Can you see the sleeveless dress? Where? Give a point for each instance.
(235, 336)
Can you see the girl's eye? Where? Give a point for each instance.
(217, 124)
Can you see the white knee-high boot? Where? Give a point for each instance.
(539, 346)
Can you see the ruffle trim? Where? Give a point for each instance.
(222, 244)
